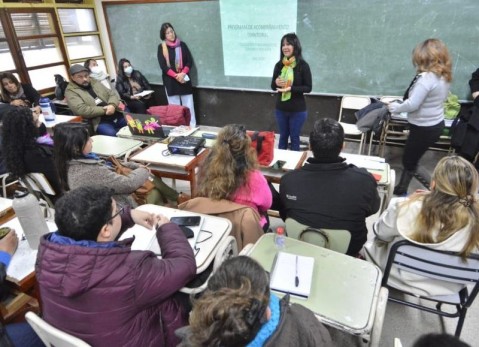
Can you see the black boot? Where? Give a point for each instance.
(401, 188)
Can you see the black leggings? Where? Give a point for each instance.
(417, 143)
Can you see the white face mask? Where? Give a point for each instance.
(95, 69)
(128, 70)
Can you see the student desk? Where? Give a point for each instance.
(293, 159)
(175, 166)
(344, 290)
(106, 146)
(206, 246)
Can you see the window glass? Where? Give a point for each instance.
(77, 20)
(6, 60)
(41, 51)
(30, 24)
(79, 47)
(44, 78)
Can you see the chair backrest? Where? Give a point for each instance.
(334, 239)
(227, 249)
(352, 102)
(37, 184)
(442, 265)
(51, 336)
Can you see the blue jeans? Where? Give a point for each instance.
(22, 334)
(290, 124)
(110, 127)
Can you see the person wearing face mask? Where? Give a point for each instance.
(175, 62)
(90, 99)
(130, 82)
(97, 73)
(291, 79)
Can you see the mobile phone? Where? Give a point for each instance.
(186, 220)
(4, 231)
(278, 165)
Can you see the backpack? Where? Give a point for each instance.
(60, 88)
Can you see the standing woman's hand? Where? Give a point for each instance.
(281, 83)
(181, 77)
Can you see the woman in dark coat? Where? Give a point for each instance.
(19, 94)
(130, 82)
(176, 61)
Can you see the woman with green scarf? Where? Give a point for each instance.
(291, 79)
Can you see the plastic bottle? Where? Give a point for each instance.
(47, 110)
(279, 238)
(30, 216)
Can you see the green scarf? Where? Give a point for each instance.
(287, 74)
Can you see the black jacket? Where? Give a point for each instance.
(123, 84)
(173, 87)
(32, 97)
(302, 83)
(331, 195)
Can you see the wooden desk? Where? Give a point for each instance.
(344, 291)
(207, 246)
(293, 159)
(176, 166)
(106, 146)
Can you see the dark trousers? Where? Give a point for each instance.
(417, 143)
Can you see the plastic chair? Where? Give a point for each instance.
(227, 249)
(353, 102)
(395, 130)
(6, 184)
(51, 336)
(38, 185)
(334, 239)
(438, 265)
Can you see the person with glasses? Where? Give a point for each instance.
(97, 288)
(238, 309)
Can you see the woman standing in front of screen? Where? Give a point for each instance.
(175, 62)
(291, 78)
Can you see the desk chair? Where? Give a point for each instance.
(38, 185)
(395, 130)
(352, 102)
(438, 265)
(51, 336)
(227, 249)
(6, 184)
(334, 239)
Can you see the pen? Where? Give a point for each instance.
(296, 278)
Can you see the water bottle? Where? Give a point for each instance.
(47, 109)
(279, 238)
(30, 216)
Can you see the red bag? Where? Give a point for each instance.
(171, 114)
(263, 143)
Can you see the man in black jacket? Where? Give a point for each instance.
(327, 192)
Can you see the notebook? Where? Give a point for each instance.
(146, 125)
(292, 274)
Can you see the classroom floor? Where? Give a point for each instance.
(400, 321)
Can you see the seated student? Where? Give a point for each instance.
(327, 192)
(230, 171)
(446, 218)
(130, 82)
(439, 340)
(78, 167)
(90, 99)
(238, 309)
(19, 94)
(17, 334)
(97, 73)
(99, 290)
(21, 134)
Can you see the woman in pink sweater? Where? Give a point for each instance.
(230, 172)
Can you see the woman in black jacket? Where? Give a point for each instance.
(130, 82)
(19, 94)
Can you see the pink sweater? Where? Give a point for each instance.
(255, 193)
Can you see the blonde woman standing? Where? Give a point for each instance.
(423, 101)
(446, 218)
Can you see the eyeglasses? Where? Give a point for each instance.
(118, 212)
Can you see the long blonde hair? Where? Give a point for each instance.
(432, 55)
(227, 165)
(451, 205)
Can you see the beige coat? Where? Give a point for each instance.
(395, 224)
(245, 220)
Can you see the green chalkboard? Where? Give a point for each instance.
(353, 47)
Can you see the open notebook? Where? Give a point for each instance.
(292, 274)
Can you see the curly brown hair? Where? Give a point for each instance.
(226, 167)
(432, 55)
